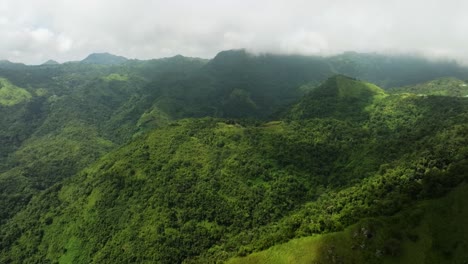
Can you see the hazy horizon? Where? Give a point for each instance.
(254, 53)
(36, 31)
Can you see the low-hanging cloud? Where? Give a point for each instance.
(34, 31)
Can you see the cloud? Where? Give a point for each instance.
(64, 43)
(41, 36)
(304, 42)
(34, 31)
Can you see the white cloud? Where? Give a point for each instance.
(304, 42)
(64, 43)
(41, 36)
(36, 30)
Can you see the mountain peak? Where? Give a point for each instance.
(104, 59)
(50, 62)
(343, 86)
(9, 64)
(236, 55)
(339, 96)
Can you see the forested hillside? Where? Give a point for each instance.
(55, 119)
(432, 231)
(266, 155)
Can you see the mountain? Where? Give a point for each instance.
(57, 120)
(104, 59)
(237, 84)
(6, 64)
(339, 97)
(206, 189)
(275, 147)
(50, 62)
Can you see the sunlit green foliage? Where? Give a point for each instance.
(11, 95)
(433, 231)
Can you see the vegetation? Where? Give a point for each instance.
(432, 231)
(187, 160)
(11, 95)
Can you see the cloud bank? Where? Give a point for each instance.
(37, 30)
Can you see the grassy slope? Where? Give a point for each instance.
(433, 231)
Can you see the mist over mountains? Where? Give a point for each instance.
(34, 32)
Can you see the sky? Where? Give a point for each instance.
(34, 31)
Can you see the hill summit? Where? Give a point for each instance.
(339, 96)
(104, 59)
(50, 62)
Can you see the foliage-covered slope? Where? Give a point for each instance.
(57, 119)
(11, 95)
(433, 231)
(236, 84)
(204, 190)
(340, 97)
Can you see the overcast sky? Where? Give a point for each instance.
(33, 31)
